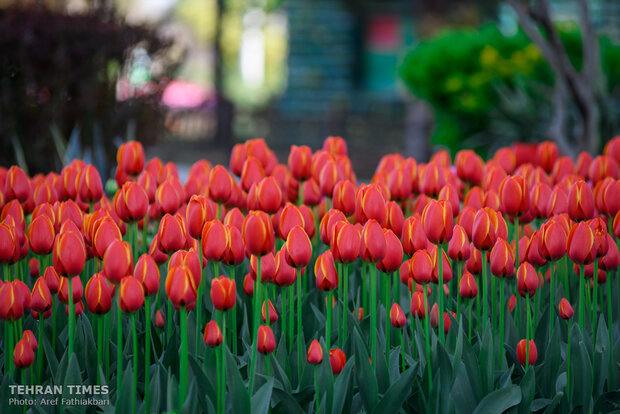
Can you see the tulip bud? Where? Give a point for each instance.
(131, 295)
(435, 318)
(11, 304)
(285, 274)
(17, 184)
(581, 244)
(527, 279)
(298, 248)
(611, 260)
(147, 272)
(258, 233)
(117, 261)
(484, 230)
(580, 201)
(131, 202)
(337, 360)
(69, 254)
(130, 157)
(469, 166)
(397, 316)
(459, 245)
(344, 197)
(33, 267)
(422, 266)
(315, 353)
(502, 260)
(432, 179)
(335, 145)
(599, 231)
(373, 246)
(41, 297)
(265, 343)
(273, 315)
(565, 309)
(291, 216)
(98, 295)
(514, 196)
(172, 233)
(213, 335)
(552, 241)
(248, 285)
(468, 287)
(325, 271)
(159, 320)
(76, 287)
(105, 231)
(23, 356)
(267, 270)
(394, 218)
(90, 187)
(28, 335)
(179, 287)
(251, 173)
(437, 220)
(41, 235)
(223, 293)
(522, 352)
(474, 263)
(214, 240)
(221, 184)
(370, 204)
(393, 255)
(300, 162)
(418, 305)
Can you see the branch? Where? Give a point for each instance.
(591, 52)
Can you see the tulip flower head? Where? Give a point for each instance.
(223, 293)
(397, 316)
(315, 353)
(23, 355)
(565, 309)
(522, 352)
(337, 360)
(213, 335)
(266, 342)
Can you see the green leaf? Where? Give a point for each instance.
(342, 387)
(190, 406)
(326, 378)
(554, 403)
(607, 402)
(473, 376)
(486, 362)
(396, 395)
(528, 389)
(123, 397)
(280, 375)
(49, 355)
(172, 387)
(366, 379)
(601, 357)
(206, 387)
(462, 393)
(499, 401)
(581, 376)
(552, 362)
(262, 398)
(287, 404)
(238, 392)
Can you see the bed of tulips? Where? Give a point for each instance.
(267, 287)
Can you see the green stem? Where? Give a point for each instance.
(257, 311)
(316, 389)
(184, 359)
(218, 371)
(470, 320)
(147, 351)
(338, 314)
(428, 339)
(402, 350)
(388, 325)
(528, 332)
(119, 345)
(364, 289)
(373, 315)
(234, 317)
(71, 317)
(40, 354)
(328, 325)
(458, 294)
(610, 330)
(568, 363)
(9, 348)
(551, 299)
(594, 300)
(502, 312)
(199, 298)
(268, 365)
(300, 196)
(300, 344)
(485, 292)
(134, 389)
(99, 346)
(223, 365)
(291, 317)
(145, 227)
(582, 308)
(442, 338)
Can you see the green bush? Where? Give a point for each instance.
(487, 89)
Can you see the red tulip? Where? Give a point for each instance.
(601, 167)
(28, 335)
(291, 216)
(315, 353)
(413, 236)
(484, 229)
(611, 260)
(213, 335)
(251, 173)
(422, 267)
(17, 184)
(269, 195)
(469, 166)
(397, 316)
(459, 245)
(580, 201)
(273, 315)
(172, 234)
(267, 269)
(131, 295)
(328, 222)
(552, 241)
(565, 309)
(337, 360)
(522, 352)
(76, 288)
(179, 287)
(98, 294)
(325, 271)
(435, 318)
(33, 267)
(437, 221)
(344, 197)
(502, 259)
(400, 182)
(258, 233)
(265, 343)
(191, 260)
(69, 253)
(581, 244)
(450, 194)
(468, 287)
(11, 304)
(248, 285)
(599, 231)
(105, 231)
(117, 261)
(298, 248)
(51, 278)
(23, 356)
(432, 179)
(418, 305)
(527, 279)
(159, 320)
(41, 235)
(370, 204)
(130, 157)
(41, 297)
(223, 293)
(393, 253)
(169, 196)
(214, 239)
(345, 242)
(394, 218)
(300, 162)
(514, 197)
(221, 184)
(147, 272)
(90, 187)
(131, 202)
(335, 145)
(373, 245)
(285, 274)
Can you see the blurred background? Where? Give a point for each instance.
(190, 78)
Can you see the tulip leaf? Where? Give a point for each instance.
(486, 360)
(123, 397)
(554, 403)
(607, 402)
(601, 357)
(155, 392)
(471, 365)
(540, 403)
(52, 361)
(581, 376)
(172, 386)
(326, 377)
(206, 387)
(280, 375)
(287, 403)
(499, 400)
(190, 405)
(238, 391)
(396, 395)
(458, 349)
(262, 398)
(528, 389)
(366, 379)
(552, 362)
(462, 393)
(342, 388)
